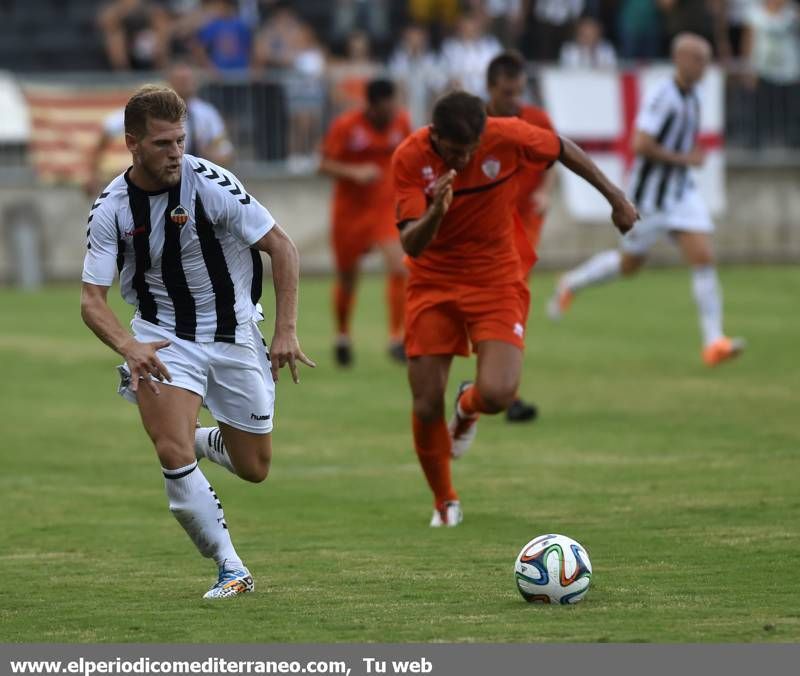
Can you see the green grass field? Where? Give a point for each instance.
(681, 482)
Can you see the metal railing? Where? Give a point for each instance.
(277, 120)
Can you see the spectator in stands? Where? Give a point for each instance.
(436, 15)
(588, 49)
(276, 41)
(738, 12)
(224, 41)
(206, 135)
(505, 19)
(639, 30)
(466, 55)
(550, 24)
(370, 16)
(772, 48)
(349, 76)
(305, 94)
(136, 34)
(416, 70)
(701, 17)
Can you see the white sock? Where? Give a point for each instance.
(195, 505)
(708, 297)
(601, 267)
(208, 444)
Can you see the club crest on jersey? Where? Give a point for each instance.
(491, 167)
(429, 178)
(179, 216)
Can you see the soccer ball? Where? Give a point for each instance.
(553, 569)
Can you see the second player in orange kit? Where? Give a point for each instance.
(506, 82)
(357, 152)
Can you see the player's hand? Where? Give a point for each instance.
(540, 199)
(624, 214)
(696, 157)
(143, 362)
(366, 173)
(443, 191)
(285, 349)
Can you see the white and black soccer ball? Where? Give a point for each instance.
(553, 569)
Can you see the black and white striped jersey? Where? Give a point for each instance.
(672, 116)
(183, 254)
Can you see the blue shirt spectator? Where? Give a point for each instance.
(226, 39)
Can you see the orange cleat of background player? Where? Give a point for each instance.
(357, 152)
(506, 82)
(455, 191)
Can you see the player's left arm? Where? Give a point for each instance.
(539, 145)
(623, 213)
(285, 347)
(250, 222)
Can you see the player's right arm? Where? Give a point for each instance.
(98, 274)
(541, 145)
(653, 118)
(646, 145)
(333, 163)
(415, 235)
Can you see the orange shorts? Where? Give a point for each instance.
(448, 319)
(350, 243)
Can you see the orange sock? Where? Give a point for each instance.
(343, 308)
(471, 403)
(432, 443)
(396, 301)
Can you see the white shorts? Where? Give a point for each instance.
(234, 380)
(688, 215)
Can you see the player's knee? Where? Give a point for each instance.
(429, 410)
(497, 396)
(173, 454)
(631, 265)
(257, 472)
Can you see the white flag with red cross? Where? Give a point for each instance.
(597, 109)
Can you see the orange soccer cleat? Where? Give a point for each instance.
(723, 350)
(560, 301)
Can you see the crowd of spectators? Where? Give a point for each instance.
(432, 44)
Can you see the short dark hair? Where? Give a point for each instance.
(379, 90)
(509, 64)
(152, 101)
(459, 117)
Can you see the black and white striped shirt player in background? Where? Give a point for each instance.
(185, 236)
(665, 192)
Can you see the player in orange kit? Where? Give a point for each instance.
(455, 194)
(506, 83)
(357, 152)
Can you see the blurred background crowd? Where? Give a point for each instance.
(293, 65)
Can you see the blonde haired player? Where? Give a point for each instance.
(185, 236)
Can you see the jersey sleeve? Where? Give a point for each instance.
(654, 112)
(335, 142)
(229, 205)
(535, 143)
(102, 247)
(409, 187)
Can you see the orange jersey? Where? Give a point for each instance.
(533, 175)
(475, 243)
(530, 180)
(352, 139)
